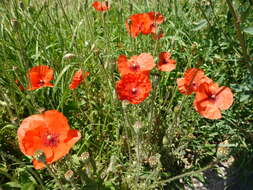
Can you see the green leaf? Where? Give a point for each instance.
(28, 186)
(12, 184)
(60, 76)
(199, 25)
(249, 30)
(9, 126)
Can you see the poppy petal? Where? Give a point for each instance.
(57, 123)
(210, 112)
(38, 165)
(224, 98)
(146, 61)
(101, 6)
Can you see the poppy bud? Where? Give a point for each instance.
(125, 103)
(137, 126)
(69, 56)
(15, 25)
(69, 175)
(152, 161)
(40, 156)
(41, 110)
(85, 157)
(165, 140)
(21, 5)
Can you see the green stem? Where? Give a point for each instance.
(237, 23)
(55, 177)
(185, 174)
(64, 13)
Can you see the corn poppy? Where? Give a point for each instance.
(40, 76)
(136, 64)
(78, 77)
(193, 78)
(133, 87)
(101, 6)
(48, 132)
(145, 23)
(210, 99)
(165, 62)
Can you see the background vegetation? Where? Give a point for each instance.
(161, 143)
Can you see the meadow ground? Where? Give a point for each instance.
(160, 143)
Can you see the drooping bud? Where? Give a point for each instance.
(85, 157)
(69, 175)
(15, 25)
(69, 56)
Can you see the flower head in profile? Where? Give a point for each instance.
(101, 6)
(210, 99)
(133, 87)
(193, 78)
(136, 64)
(40, 76)
(78, 77)
(165, 62)
(48, 133)
(145, 23)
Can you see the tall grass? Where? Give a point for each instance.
(147, 146)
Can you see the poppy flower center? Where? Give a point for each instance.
(164, 62)
(41, 82)
(194, 85)
(212, 96)
(51, 140)
(134, 91)
(134, 67)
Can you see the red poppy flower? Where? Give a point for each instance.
(40, 76)
(145, 23)
(48, 132)
(136, 64)
(101, 6)
(78, 77)
(165, 63)
(193, 78)
(211, 99)
(133, 87)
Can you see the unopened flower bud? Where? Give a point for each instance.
(137, 126)
(85, 157)
(69, 56)
(41, 110)
(68, 175)
(152, 161)
(125, 103)
(15, 25)
(40, 156)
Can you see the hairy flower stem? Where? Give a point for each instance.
(188, 173)
(127, 125)
(240, 36)
(55, 177)
(138, 156)
(23, 164)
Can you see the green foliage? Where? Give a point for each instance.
(172, 142)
